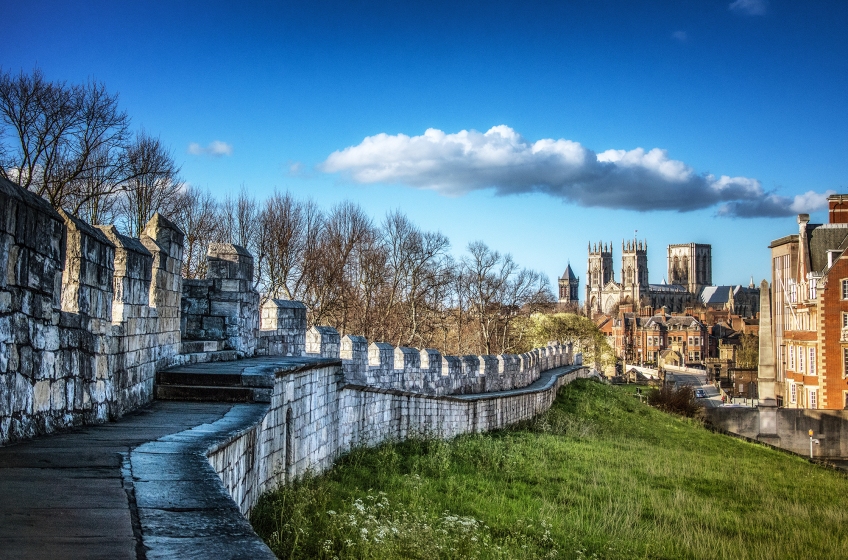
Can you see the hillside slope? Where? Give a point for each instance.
(598, 476)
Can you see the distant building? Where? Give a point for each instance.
(569, 286)
(605, 295)
(689, 287)
(810, 311)
(690, 265)
(663, 323)
(734, 300)
(657, 338)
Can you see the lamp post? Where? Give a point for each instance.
(812, 441)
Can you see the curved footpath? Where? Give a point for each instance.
(139, 488)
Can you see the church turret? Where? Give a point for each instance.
(568, 286)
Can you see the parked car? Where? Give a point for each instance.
(700, 394)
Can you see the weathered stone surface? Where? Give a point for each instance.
(80, 338)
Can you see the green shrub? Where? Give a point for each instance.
(679, 400)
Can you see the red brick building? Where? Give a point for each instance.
(640, 338)
(810, 311)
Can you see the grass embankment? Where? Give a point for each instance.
(598, 476)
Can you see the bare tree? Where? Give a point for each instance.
(152, 184)
(240, 220)
(487, 273)
(197, 215)
(498, 291)
(96, 195)
(333, 268)
(61, 142)
(285, 226)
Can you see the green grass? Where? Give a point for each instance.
(598, 476)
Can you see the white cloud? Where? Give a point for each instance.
(810, 201)
(680, 36)
(500, 159)
(749, 7)
(216, 148)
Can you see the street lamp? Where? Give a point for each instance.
(812, 441)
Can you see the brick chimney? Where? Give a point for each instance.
(838, 208)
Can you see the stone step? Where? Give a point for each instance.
(196, 346)
(214, 393)
(178, 377)
(206, 357)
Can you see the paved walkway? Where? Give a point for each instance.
(141, 488)
(130, 489)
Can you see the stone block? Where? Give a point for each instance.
(213, 325)
(381, 355)
(224, 308)
(41, 393)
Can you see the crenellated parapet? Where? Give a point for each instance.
(323, 342)
(282, 329)
(87, 315)
(427, 371)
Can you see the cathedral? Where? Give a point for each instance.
(689, 271)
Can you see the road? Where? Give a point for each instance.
(697, 381)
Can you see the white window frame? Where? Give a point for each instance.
(793, 393)
(845, 288)
(845, 361)
(811, 365)
(800, 359)
(844, 320)
(792, 358)
(814, 398)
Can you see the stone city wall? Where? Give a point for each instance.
(315, 417)
(343, 392)
(86, 315)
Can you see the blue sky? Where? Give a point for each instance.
(264, 94)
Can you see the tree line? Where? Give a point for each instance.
(388, 280)
(72, 145)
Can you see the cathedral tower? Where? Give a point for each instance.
(600, 273)
(690, 265)
(634, 263)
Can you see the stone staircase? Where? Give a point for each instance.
(215, 380)
(200, 351)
